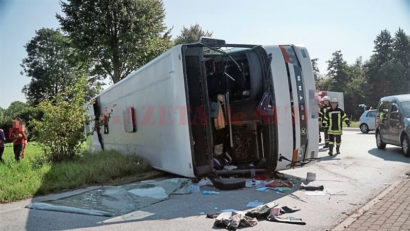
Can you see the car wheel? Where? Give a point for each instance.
(379, 141)
(405, 145)
(364, 128)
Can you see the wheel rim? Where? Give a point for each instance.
(405, 145)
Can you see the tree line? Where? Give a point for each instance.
(97, 41)
(387, 72)
(101, 40)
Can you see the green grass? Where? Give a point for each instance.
(354, 124)
(34, 175)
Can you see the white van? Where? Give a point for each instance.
(213, 108)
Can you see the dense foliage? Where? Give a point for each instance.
(61, 128)
(191, 34)
(386, 73)
(51, 63)
(116, 37)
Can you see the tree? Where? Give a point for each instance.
(315, 67)
(191, 34)
(51, 64)
(401, 48)
(401, 52)
(61, 128)
(116, 36)
(337, 71)
(354, 89)
(15, 109)
(385, 71)
(383, 47)
(1, 114)
(324, 84)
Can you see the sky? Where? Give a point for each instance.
(323, 26)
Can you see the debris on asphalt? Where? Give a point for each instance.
(262, 176)
(253, 204)
(311, 187)
(249, 183)
(288, 220)
(281, 189)
(228, 210)
(117, 200)
(234, 220)
(210, 192)
(262, 189)
(205, 182)
(310, 176)
(279, 183)
(261, 212)
(196, 188)
(271, 212)
(315, 193)
(212, 215)
(286, 209)
(67, 209)
(153, 192)
(275, 211)
(229, 183)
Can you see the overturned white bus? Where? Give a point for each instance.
(213, 108)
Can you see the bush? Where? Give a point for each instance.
(61, 129)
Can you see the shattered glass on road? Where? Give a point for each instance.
(117, 200)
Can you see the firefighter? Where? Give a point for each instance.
(323, 123)
(334, 118)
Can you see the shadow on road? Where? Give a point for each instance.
(390, 154)
(370, 133)
(327, 158)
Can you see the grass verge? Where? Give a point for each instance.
(35, 176)
(354, 124)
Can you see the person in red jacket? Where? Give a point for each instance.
(18, 137)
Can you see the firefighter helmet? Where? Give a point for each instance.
(326, 98)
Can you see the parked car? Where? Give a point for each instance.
(367, 121)
(393, 122)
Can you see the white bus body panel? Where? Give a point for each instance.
(158, 88)
(311, 102)
(283, 106)
(289, 130)
(157, 93)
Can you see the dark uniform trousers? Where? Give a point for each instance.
(335, 118)
(325, 125)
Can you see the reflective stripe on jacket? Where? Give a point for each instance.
(322, 115)
(335, 118)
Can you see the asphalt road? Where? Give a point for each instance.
(360, 173)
